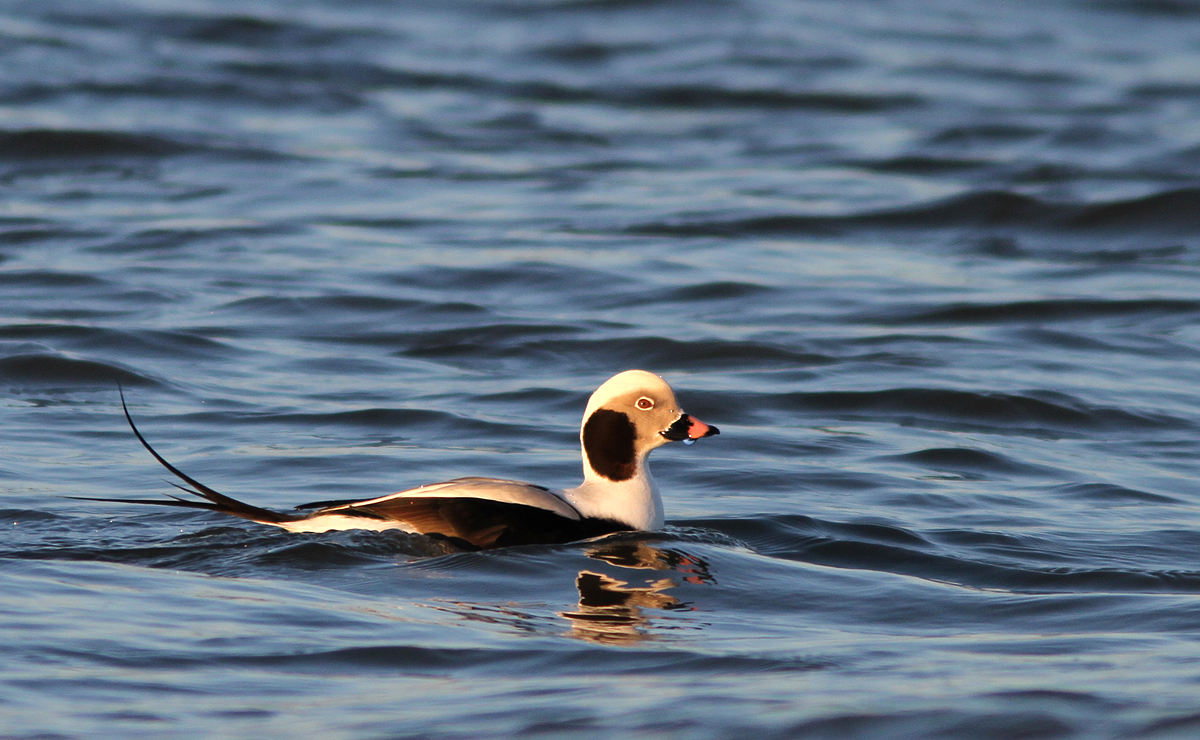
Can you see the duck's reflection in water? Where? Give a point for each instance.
(612, 611)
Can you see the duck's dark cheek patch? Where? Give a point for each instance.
(608, 442)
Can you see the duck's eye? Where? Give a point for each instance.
(645, 404)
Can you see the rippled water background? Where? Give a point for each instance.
(932, 267)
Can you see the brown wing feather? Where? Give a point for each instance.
(481, 523)
(444, 516)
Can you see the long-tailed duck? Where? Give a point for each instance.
(628, 416)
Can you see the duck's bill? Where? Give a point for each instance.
(698, 429)
(688, 429)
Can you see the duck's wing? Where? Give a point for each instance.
(488, 489)
(470, 512)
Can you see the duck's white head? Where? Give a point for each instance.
(627, 417)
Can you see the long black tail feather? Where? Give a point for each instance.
(154, 502)
(215, 501)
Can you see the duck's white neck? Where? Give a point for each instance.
(635, 502)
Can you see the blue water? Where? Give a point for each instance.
(932, 267)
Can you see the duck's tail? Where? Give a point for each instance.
(213, 501)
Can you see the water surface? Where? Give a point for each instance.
(931, 267)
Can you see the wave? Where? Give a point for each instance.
(591, 288)
(1173, 209)
(1107, 493)
(230, 550)
(987, 132)
(535, 7)
(1040, 412)
(391, 419)
(965, 558)
(162, 238)
(422, 660)
(1011, 563)
(68, 143)
(33, 233)
(49, 279)
(1169, 211)
(243, 30)
(149, 342)
(712, 96)
(57, 144)
(520, 276)
(1036, 310)
(247, 31)
(354, 79)
(1163, 8)
(54, 370)
(660, 353)
(969, 462)
(345, 305)
(711, 291)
